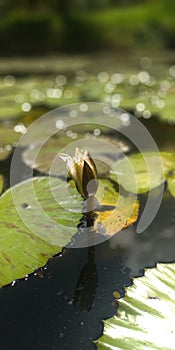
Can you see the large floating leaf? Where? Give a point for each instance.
(10, 111)
(22, 248)
(145, 317)
(8, 137)
(45, 217)
(142, 172)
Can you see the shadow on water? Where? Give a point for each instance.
(61, 307)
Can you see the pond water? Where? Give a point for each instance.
(62, 305)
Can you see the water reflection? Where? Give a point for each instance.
(156, 244)
(87, 283)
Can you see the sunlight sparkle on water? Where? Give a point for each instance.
(19, 98)
(165, 85)
(133, 80)
(160, 103)
(116, 99)
(54, 93)
(9, 80)
(172, 71)
(145, 62)
(26, 107)
(73, 113)
(61, 80)
(7, 148)
(151, 81)
(125, 118)
(103, 77)
(162, 93)
(117, 78)
(109, 87)
(143, 77)
(20, 128)
(60, 124)
(106, 110)
(83, 107)
(72, 135)
(37, 95)
(140, 107)
(68, 93)
(146, 114)
(97, 132)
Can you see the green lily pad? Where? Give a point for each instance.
(142, 172)
(8, 138)
(45, 158)
(29, 240)
(145, 318)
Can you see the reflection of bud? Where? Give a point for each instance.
(87, 283)
(83, 171)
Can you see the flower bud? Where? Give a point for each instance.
(83, 171)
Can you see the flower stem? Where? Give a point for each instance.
(90, 211)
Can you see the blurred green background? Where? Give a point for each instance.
(40, 26)
(59, 52)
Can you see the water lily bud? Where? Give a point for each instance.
(83, 171)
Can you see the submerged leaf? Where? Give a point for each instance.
(142, 172)
(115, 211)
(146, 314)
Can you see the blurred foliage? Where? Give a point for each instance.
(32, 26)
